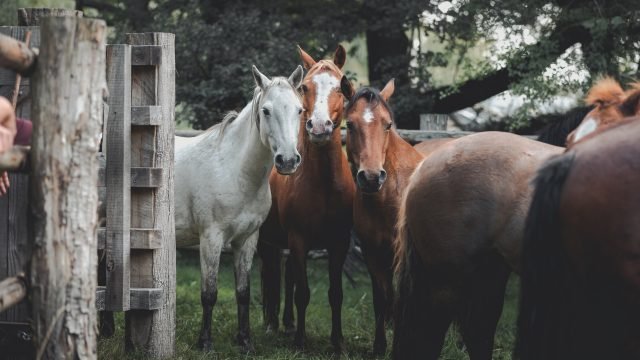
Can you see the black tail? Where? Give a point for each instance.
(545, 296)
(270, 276)
(556, 132)
(411, 299)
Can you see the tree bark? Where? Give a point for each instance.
(68, 88)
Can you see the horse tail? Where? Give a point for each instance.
(411, 291)
(270, 283)
(544, 282)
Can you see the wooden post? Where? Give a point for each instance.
(433, 121)
(118, 178)
(152, 208)
(68, 88)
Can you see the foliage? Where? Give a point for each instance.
(357, 319)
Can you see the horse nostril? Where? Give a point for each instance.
(361, 177)
(298, 159)
(279, 160)
(328, 123)
(309, 124)
(383, 176)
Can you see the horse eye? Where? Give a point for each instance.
(300, 111)
(349, 125)
(265, 111)
(388, 126)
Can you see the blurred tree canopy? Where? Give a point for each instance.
(523, 44)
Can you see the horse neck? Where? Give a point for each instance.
(400, 160)
(241, 140)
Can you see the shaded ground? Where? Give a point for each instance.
(357, 317)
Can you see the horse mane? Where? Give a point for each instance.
(373, 98)
(556, 132)
(607, 91)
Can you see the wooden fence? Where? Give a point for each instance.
(58, 211)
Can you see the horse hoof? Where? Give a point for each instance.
(379, 349)
(298, 342)
(205, 345)
(271, 329)
(289, 329)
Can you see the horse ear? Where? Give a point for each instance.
(340, 56)
(261, 80)
(346, 87)
(388, 90)
(296, 77)
(307, 60)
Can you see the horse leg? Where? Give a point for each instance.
(379, 304)
(298, 255)
(337, 255)
(287, 316)
(270, 276)
(210, 249)
(484, 305)
(242, 259)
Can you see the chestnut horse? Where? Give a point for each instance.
(312, 208)
(381, 164)
(580, 287)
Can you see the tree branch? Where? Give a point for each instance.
(540, 54)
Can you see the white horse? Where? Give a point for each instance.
(222, 190)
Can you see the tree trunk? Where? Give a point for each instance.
(68, 88)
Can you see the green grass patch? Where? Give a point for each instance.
(357, 319)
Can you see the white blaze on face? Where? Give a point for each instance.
(586, 128)
(324, 84)
(367, 115)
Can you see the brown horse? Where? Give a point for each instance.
(313, 207)
(580, 287)
(461, 227)
(381, 164)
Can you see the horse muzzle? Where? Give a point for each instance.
(320, 131)
(287, 165)
(371, 181)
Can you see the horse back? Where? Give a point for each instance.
(472, 196)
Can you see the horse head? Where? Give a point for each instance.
(369, 123)
(611, 106)
(277, 108)
(323, 102)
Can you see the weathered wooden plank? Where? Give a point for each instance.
(146, 55)
(16, 55)
(146, 115)
(118, 177)
(434, 121)
(142, 177)
(12, 291)
(154, 332)
(141, 298)
(68, 88)
(141, 239)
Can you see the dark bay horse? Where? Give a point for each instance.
(381, 164)
(580, 287)
(312, 208)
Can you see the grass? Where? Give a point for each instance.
(357, 318)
